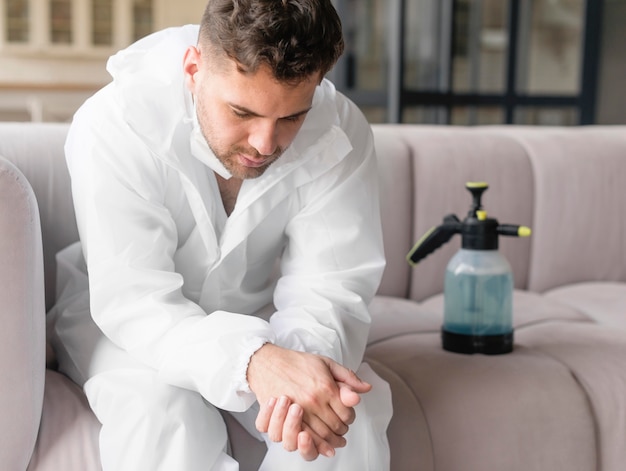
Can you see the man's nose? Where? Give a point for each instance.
(264, 137)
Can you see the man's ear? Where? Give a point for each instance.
(191, 66)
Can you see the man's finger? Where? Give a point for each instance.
(277, 421)
(348, 377)
(292, 427)
(307, 447)
(348, 397)
(321, 446)
(322, 429)
(262, 421)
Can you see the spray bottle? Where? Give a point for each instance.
(478, 286)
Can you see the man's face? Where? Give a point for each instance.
(247, 120)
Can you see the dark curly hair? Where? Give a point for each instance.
(295, 38)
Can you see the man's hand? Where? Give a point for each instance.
(306, 400)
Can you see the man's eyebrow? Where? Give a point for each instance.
(245, 110)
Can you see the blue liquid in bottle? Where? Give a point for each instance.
(478, 294)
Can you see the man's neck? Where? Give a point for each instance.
(229, 189)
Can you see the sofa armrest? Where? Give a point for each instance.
(22, 318)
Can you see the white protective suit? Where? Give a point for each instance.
(175, 284)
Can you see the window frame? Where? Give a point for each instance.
(398, 97)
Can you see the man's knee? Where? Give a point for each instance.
(147, 424)
(139, 396)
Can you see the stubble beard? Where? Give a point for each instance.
(230, 160)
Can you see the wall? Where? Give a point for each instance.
(169, 13)
(44, 82)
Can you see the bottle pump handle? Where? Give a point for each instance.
(479, 232)
(434, 238)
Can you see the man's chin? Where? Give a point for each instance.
(248, 173)
(244, 172)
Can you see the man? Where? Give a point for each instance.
(210, 156)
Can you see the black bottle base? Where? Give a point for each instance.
(485, 344)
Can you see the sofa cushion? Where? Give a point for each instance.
(393, 316)
(528, 400)
(595, 357)
(576, 327)
(602, 302)
(68, 437)
(450, 407)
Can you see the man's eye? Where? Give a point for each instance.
(293, 119)
(242, 114)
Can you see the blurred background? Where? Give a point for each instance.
(465, 62)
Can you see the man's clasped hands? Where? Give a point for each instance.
(306, 401)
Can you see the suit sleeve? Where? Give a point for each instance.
(129, 239)
(334, 258)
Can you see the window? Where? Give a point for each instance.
(472, 61)
(61, 21)
(479, 47)
(551, 45)
(142, 13)
(82, 26)
(102, 20)
(17, 28)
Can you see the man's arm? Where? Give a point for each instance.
(330, 270)
(130, 240)
(333, 261)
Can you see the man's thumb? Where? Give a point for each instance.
(348, 397)
(349, 378)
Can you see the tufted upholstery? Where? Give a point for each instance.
(557, 402)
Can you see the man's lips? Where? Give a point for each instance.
(254, 163)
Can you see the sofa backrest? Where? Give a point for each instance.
(37, 150)
(567, 184)
(22, 315)
(579, 217)
(439, 161)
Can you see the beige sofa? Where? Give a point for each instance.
(557, 402)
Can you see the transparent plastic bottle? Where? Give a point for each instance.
(478, 286)
(478, 303)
